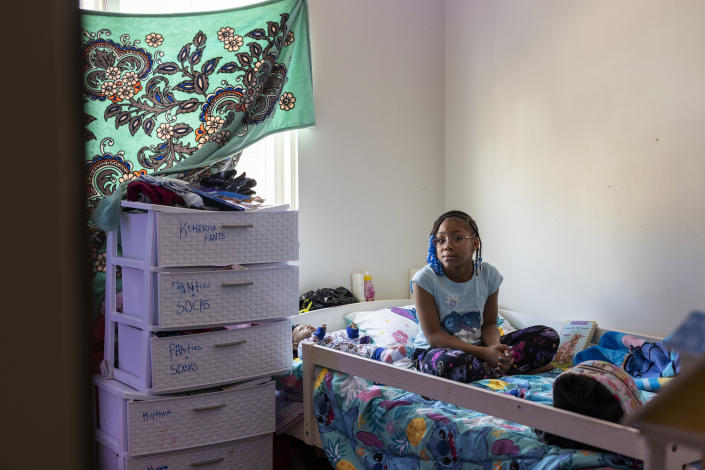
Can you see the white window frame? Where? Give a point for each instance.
(277, 172)
(277, 179)
(285, 156)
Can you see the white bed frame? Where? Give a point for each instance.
(614, 437)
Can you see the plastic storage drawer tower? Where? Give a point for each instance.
(227, 275)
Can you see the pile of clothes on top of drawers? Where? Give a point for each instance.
(224, 190)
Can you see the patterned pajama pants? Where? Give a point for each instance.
(533, 347)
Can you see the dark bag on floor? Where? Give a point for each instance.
(598, 389)
(326, 297)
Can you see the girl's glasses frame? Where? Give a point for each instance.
(453, 240)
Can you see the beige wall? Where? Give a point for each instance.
(575, 133)
(370, 173)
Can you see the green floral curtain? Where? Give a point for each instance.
(174, 94)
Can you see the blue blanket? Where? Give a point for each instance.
(369, 426)
(651, 364)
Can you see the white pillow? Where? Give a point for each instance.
(387, 326)
(503, 325)
(399, 325)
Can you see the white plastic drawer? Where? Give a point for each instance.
(134, 425)
(204, 238)
(184, 297)
(246, 454)
(155, 364)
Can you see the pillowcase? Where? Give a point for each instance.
(574, 337)
(394, 325)
(503, 325)
(408, 311)
(388, 326)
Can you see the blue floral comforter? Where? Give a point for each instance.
(370, 426)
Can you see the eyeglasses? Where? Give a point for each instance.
(441, 241)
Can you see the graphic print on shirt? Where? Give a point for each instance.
(452, 301)
(454, 323)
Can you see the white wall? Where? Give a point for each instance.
(371, 172)
(575, 134)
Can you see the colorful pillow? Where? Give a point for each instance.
(408, 311)
(388, 326)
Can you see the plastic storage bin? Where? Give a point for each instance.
(132, 424)
(186, 297)
(153, 364)
(168, 237)
(245, 454)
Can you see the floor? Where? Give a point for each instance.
(292, 454)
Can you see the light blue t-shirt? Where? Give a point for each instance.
(460, 304)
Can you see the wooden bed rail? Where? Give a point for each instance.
(613, 437)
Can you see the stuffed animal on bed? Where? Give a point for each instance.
(348, 340)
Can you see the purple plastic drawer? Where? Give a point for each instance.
(188, 297)
(246, 454)
(166, 364)
(134, 424)
(205, 238)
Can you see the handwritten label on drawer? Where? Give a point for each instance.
(183, 357)
(193, 296)
(208, 232)
(155, 415)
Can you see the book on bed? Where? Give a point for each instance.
(574, 337)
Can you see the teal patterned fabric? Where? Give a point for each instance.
(179, 93)
(371, 426)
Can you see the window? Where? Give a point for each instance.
(163, 6)
(273, 161)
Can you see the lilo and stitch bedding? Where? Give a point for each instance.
(367, 425)
(651, 364)
(372, 426)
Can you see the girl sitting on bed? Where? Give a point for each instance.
(456, 297)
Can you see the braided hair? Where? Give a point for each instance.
(432, 258)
